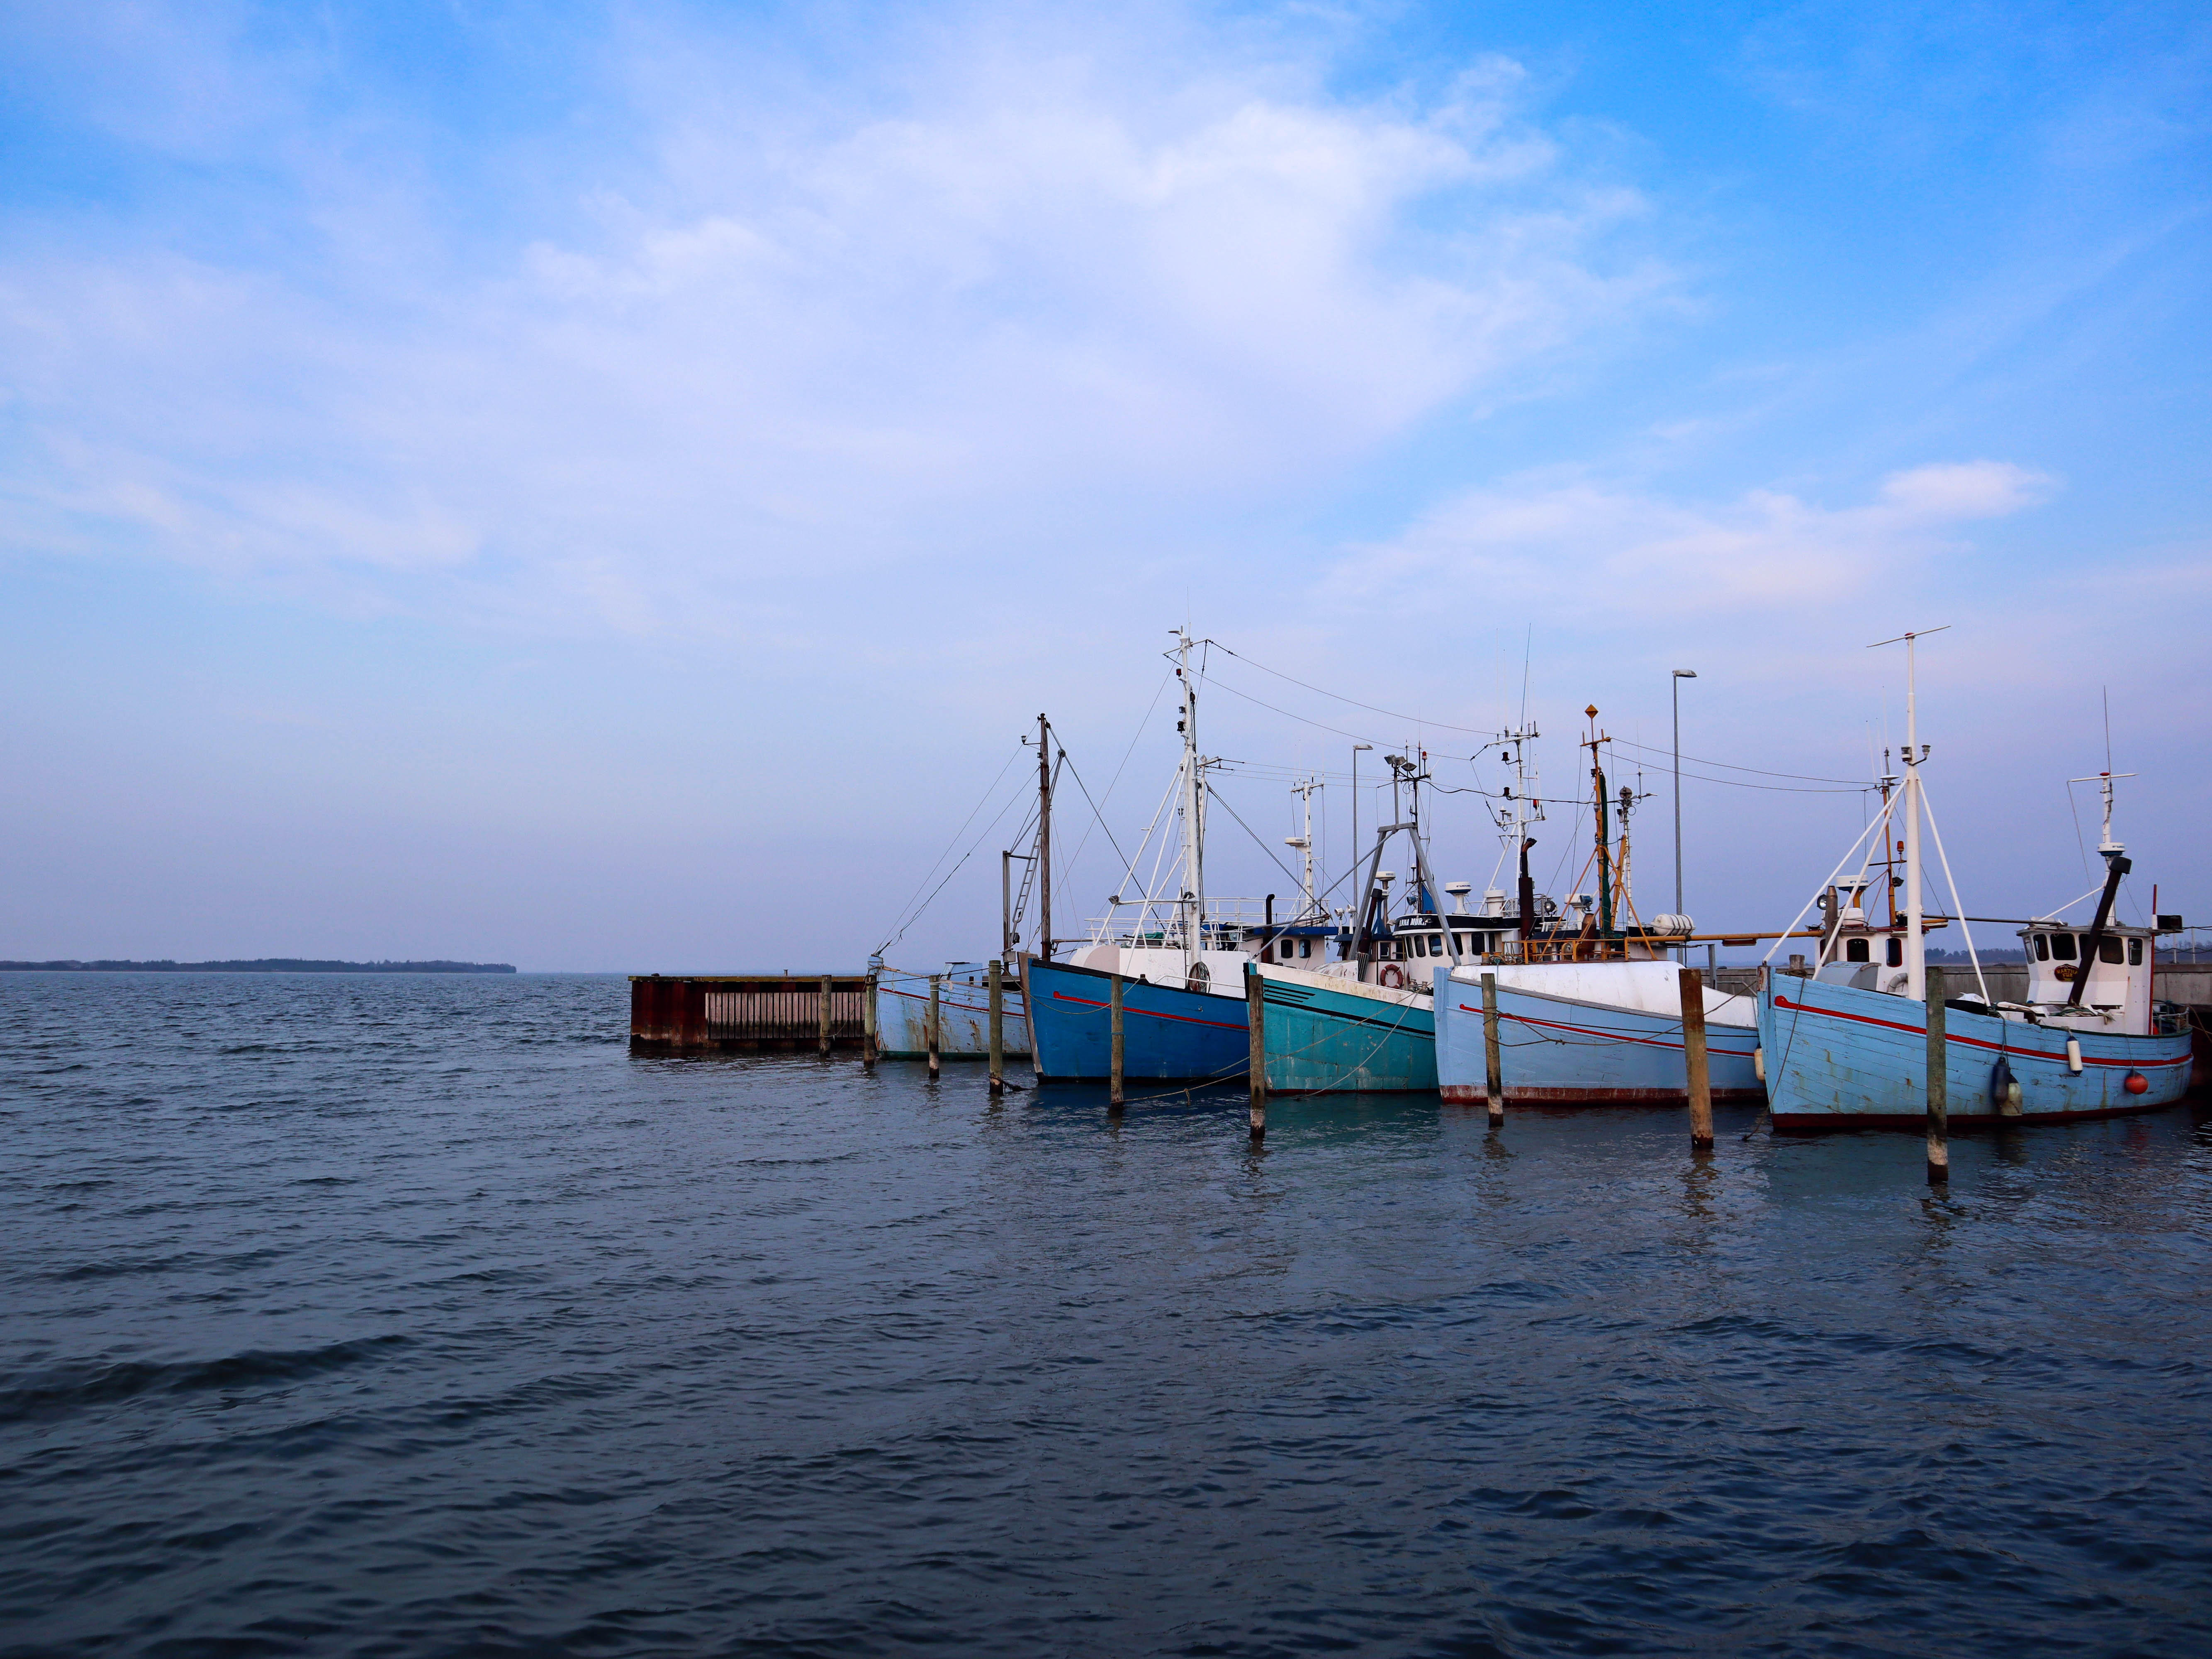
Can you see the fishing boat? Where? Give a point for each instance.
(1182, 954)
(1846, 1045)
(1595, 1033)
(963, 1013)
(1589, 1006)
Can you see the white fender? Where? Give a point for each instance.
(2074, 1055)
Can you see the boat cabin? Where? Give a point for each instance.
(2118, 997)
(1300, 944)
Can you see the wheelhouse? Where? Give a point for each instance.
(2118, 994)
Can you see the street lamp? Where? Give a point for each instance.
(1356, 749)
(1675, 685)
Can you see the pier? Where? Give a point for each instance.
(749, 1014)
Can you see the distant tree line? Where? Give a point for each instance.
(259, 965)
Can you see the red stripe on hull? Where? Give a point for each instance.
(2006, 1048)
(1462, 1095)
(1800, 1123)
(1150, 1014)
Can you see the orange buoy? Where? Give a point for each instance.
(2136, 1083)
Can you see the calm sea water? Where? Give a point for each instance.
(415, 1316)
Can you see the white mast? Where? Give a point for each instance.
(1194, 790)
(2106, 846)
(1915, 940)
(1304, 844)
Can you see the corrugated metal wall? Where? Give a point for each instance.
(744, 1013)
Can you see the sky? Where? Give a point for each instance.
(607, 488)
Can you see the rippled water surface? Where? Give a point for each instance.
(415, 1316)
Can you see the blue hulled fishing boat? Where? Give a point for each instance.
(1847, 1046)
(1169, 1033)
(1591, 1033)
(1182, 957)
(1839, 1055)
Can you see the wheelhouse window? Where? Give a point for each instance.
(2043, 947)
(2108, 950)
(1305, 947)
(2062, 946)
(2135, 953)
(1895, 954)
(1856, 950)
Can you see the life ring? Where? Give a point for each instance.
(1392, 976)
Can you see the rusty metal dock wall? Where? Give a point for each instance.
(746, 1013)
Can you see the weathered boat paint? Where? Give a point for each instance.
(1169, 1034)
(1841, 1057)
(1328, 1034)
(963, 1014)
(1575, 1050)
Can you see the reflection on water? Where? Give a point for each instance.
(418, 1315)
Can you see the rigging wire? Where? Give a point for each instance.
(913, 913)
(1098, 817)
(1445, 726)
(1217, 795)
(1115, 780)
(903, 915)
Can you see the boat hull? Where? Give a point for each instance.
(1570, 1051)
(1321, 1040)
(963, 1015)
(1168, 1033)
(1841, 1058)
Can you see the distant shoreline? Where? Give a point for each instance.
(256, 965)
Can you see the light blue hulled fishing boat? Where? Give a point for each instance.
(1328, 1034)
(1847, 1047)
(964, 1001)
(1840, 1055)
(1590, 1033)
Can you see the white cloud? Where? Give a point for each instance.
(1577, 549)
(1054, 302)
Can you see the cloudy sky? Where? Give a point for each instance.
(608, 486)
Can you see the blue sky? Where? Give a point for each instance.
(607, 487)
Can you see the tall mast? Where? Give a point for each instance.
(1604, 832)
(1194, 787)
(1915, 939)
(1304, 789)
(1044, 839)
(1514, 825)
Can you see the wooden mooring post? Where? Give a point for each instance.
(868, 1036)
(936, 1006)
(1493, 1059)
(825, 1014)
(997, 1027)
(1695, 1061)
(1255, 1012)
(1117, 1052)
(1939, 1103)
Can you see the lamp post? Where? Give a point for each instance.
(1356, 749)
(1675, 684)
